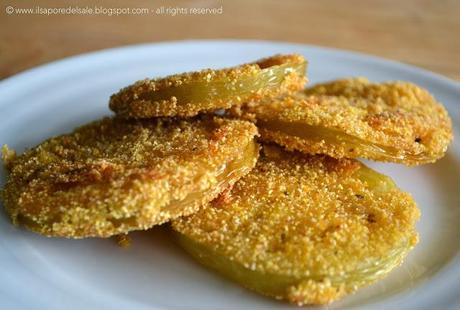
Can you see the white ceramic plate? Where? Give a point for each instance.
(43, 273)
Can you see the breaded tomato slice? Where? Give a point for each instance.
(189, 94)
(307, 229)
(113, 176)
(393, 122)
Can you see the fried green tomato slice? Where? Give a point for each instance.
(393, 122)
(307, 229)
(113, 176)
(189, 94)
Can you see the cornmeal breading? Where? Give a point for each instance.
(113, 176)
(188, 94)
(309, 229)
(396, 122)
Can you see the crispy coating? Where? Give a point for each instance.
(123, 240)
(188, 94)
(308, 229)
(113, 176)
(395, 121)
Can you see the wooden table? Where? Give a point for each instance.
(425, 33)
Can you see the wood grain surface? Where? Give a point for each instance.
(425, 33)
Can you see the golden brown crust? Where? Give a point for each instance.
(400, 121)
(188, 94)
(113, 176)
(123, 240)
(321, 226)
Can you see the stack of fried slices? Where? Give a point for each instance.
(256, 175)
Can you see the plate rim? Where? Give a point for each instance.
(123, 48)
